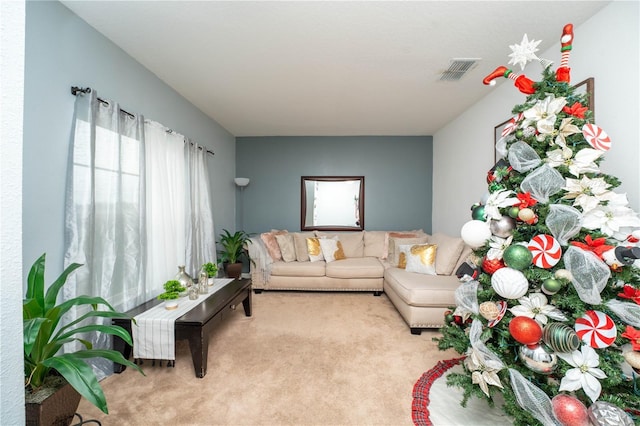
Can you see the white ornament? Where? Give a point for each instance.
(475, 233)
(509, 283)
(524, 52)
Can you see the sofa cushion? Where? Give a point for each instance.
(300, 243)
(420, 289)
(374, 244)
(331, 249)
(355, 267)
(287, 249)
(395, 242)
(314, 249)
(269, 240)
(352, 242)
(419, 258)
(449, 250)
(298, 269)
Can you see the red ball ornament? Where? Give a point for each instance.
(525, 330)
(492, 265)
(570, 411)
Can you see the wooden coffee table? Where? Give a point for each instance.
(196, 325)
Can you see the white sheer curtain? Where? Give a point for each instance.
(166, 203)
(201, 245)
(105, 209)
(137, 206)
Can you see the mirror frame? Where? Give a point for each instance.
(303, 203)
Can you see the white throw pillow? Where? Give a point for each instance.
(421, 258)
(332, 249)
(287, 247)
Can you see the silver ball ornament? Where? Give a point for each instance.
(503, 227)
(606, 414)
(538, 358)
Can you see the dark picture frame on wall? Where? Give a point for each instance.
(497, 134)
(588, 86)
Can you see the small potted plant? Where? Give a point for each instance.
(172, 290)
(53, 379)
(233, 251)
(212, 271)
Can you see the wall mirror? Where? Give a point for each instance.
(332, 203)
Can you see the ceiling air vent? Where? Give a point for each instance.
(458, 67)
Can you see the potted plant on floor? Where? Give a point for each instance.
(54, 380)
(233, 251)
(172, 290)
(212, 271)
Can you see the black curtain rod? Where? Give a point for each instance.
(75, 90)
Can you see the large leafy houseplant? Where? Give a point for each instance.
(232, 251)
(233, 245)
(44, 336)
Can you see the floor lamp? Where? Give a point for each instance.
(241, 182)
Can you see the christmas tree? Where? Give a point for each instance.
(550, 316)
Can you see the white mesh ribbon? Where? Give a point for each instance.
(542, 183)
(532, 399)
(466, 297)
(564, 222)
(491, 360)
(627, 312)
(522, 157)
(590, 274)
(501, 147)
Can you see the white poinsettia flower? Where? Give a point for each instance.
(498, 246)
(586, 193)
(543, 113)
(536, 306)
(582, 162)
(566, 129)
(498, 200)
(483, 372)
(613, 217)
(585, 375)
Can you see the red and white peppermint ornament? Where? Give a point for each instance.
(512, 125)
(597, 138)
(546, 251)
(596, 329)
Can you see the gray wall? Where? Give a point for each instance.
(63, 51)
(397, 171)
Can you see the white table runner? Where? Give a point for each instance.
(153, 332)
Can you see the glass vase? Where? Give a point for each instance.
(184, 278)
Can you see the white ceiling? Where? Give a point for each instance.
(274, 68)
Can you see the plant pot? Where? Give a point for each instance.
(233, 270)
(211, 280)
(171, 304)
(57, 409)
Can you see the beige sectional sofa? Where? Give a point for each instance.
(370, 261)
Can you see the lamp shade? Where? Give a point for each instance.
(241, 181)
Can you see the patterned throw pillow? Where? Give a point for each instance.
(394, 255)
(314, 250)
(391, 238)
(421, 258)
(332, 249)
(269, 239)
(287, 248)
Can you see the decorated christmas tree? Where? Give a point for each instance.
(548, 315)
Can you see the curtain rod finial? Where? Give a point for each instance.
(75, 90)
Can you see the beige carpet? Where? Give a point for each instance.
(301, 359)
